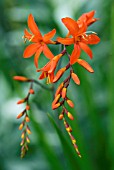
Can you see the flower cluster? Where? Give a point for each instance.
(80, 38)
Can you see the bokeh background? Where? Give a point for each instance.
(93, 127)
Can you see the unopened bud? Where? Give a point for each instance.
(28, 129)
(55, 106)
(27, 107)
(70, 103)
(64, 92)
(20, 78)
(21, 126)
(31, 91)
(27, 118)
(21, 101)
(75, 78)
(70, 116)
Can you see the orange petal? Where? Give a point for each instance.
(71, 25)
(43, 75)
(75, 78)
(86, 49)
(93, 39)
(38, 52)
(75, 54)
(47, 52)
(49, 35)
(84, 64)
(32, 26)
(30, 50)
(27, 34)
(90, 14)
(82, 28)
(65, 41)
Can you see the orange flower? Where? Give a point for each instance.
(49, 68)
(39, 42)
(80, 38)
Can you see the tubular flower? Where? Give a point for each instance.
(49, 68)
(80, 38)
(39, 42)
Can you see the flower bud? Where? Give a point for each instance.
(27, 107)
(70, 116)
(59, 74)
(31, 91)
(70, 103)
(64, 92)
(20, 78)
(75, 78)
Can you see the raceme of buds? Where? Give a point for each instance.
(24, 125)
(78, 36)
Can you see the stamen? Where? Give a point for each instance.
(88, 32)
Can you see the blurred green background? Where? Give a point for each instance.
(93, 127)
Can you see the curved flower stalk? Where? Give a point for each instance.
(24, 125)
(25, 113)
(80, 37)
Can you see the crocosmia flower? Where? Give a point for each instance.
(80, 37)
(39, 42)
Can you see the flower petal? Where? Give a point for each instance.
(86, 49)
(71, 25)
(65, 41)
(84, 64)
(32, 26)
(49, 35)
(38, 52)
(93, 39)
(47, 52)
(75, 54)
(42, 75)
(30, 50)
(27, 34)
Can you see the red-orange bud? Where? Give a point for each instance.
(23, 135)
(20, 78)
(59, 89)
(70, 103)
(21, 101)
(75, 78)
(70, 116)
(59, 74)
(69, 129)
(22, 142)
(27, 118)
(31, 91)
(55, 106)
(64, 92)
(27, 139)
(28, 129)
(20, 115)
(27, 107)
(60, 116)
(56, 99)
(21, 126)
